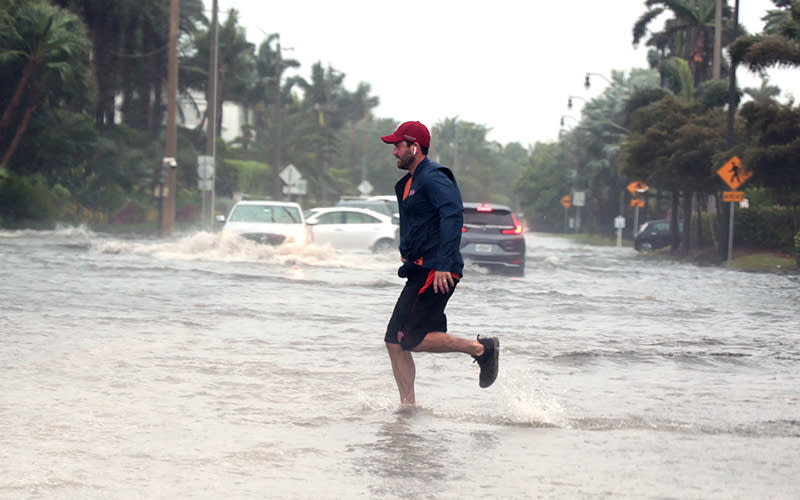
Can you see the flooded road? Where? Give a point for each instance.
(206, 366)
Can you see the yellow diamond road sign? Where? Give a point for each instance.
(733, 173)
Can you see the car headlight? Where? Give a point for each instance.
(298, 238)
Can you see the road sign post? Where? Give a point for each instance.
(295, 184)
(619, 225)
(579, 200)
(734, 175)
(205, 183)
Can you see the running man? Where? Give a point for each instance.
(430, 239)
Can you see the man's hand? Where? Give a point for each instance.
(442, 282)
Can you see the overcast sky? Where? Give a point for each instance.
(506, 64)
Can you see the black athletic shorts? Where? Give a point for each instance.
(418, 311)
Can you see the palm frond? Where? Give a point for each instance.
(686, 78)
(681, 9)
(739, 48)
(640, 28)
(772, 51)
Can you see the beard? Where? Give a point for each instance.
(405, 160)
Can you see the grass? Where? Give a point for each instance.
(764, 262)
(745, 259)
(591, 239)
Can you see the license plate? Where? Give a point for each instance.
(483, 248)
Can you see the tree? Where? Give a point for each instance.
(765, 94)
(236, 63)
(463, 147)
(544, 181)
(688, 34)
(128, 38)
(774, 147)
(779, 45)
(266, 95)
(672, 147)
(604, 126)
(51, 46)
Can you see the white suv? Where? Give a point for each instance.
(270, 222)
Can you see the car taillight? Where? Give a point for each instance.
(517, 227)
(484, 208)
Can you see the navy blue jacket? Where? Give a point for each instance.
(431, 219)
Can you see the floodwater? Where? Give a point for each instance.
(203, 366)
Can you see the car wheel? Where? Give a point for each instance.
(646, 246)
(384, 246)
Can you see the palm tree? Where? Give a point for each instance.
(779, 45)
(765, 94)
(129, 57)
(52, 47)
(236, 58)
(689, 34)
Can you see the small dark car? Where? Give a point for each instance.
(653, 234)
(492, 237)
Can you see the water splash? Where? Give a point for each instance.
(527, 404)
(230, 247)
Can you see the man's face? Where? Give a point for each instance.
(402, 151)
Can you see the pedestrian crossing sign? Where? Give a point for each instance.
(733, 173)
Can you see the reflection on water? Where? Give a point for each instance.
(400, 453)
(208, 366)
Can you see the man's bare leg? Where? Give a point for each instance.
(404, 373)
(443, 342)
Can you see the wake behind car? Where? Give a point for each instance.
(270, 222)
(352, 228)
(492, 237)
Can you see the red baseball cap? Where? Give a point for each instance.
(410, 131)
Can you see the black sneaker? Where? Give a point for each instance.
(489, 361)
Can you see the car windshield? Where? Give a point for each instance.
(270, 214)
(493, 218)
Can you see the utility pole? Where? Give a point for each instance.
(276, 167)
(726, 232)
(211, 108)
(169, 162)
(326, 146)
(717, 40)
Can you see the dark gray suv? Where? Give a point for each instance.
(654, 234)
(492, 237)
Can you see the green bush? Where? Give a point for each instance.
(797, 248)
(770, 227)
(27, 198)
(252, 177)
(108, 199)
